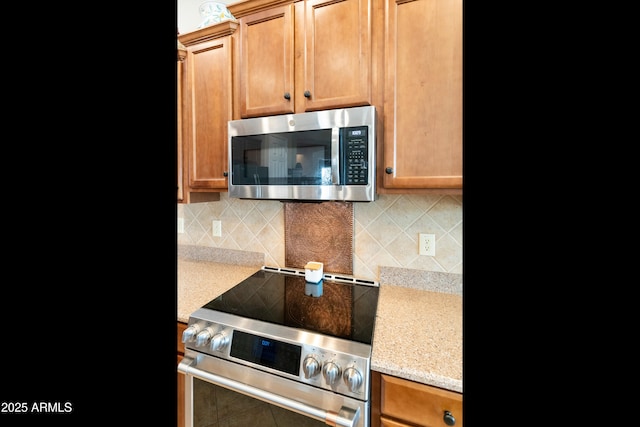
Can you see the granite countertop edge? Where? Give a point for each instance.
(428, 378)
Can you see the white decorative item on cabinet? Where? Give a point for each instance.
(213, 12)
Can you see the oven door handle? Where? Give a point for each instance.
(346, 417)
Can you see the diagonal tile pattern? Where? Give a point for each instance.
(385, 231)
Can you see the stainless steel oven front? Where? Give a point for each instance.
(243, 368)
(227, 388)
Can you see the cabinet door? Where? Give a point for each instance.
(417, 404)
(208, 107)
(423, 95)
(266, 71)
(181, 327)
(180, 403)
(384, 422)
(337, 69)
(179, 133)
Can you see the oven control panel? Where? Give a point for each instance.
(326, 362)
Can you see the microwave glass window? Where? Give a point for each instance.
(285, 158)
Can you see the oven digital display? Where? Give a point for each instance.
(267, 352)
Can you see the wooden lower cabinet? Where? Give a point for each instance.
(390, 423)
(181, 328)
(397, 402)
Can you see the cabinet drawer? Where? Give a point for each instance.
(384, 422)
(181, 328)
(417, 403)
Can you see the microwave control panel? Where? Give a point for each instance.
(356, 155)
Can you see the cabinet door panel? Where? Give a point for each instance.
(180, 403)
(180, 177)
(181, 420)
(266, 72)
(385, 422)
(418, 403)
(423, 94)
(209, 74)
(338, 54)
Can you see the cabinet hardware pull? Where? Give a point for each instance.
(389, 170)
(225, 173)
(449, 419)
(287, 95)
(307, 94)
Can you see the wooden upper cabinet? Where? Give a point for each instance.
(207, 105)
(182, 54)
(423, 95)
(266, 64)
(338, 53)
(305, 56)
(209, 71)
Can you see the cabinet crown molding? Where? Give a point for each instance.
(243, 8)
(209, 33)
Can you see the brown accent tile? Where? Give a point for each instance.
(320, 232)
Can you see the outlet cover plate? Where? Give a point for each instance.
(216, 228)
(427, 244)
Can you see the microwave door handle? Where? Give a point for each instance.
(335, 156)
(258, 184)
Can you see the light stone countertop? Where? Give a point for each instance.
(418, 329)
(204, 273)
(201, 281)
(418, 336)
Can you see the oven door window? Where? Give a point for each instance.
(217, 406)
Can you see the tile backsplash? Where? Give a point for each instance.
(385, 231)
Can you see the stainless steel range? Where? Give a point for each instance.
(304, 347)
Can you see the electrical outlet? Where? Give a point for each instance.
(180, 225)
(427, 244)
(216, 228)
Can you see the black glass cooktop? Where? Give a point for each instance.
(332, 307)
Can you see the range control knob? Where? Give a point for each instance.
(331, 372)
(352, 378)
(204, 336)
(310, 366)
(189, 334)
(219, 341)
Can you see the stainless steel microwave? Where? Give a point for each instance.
(320, 155)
